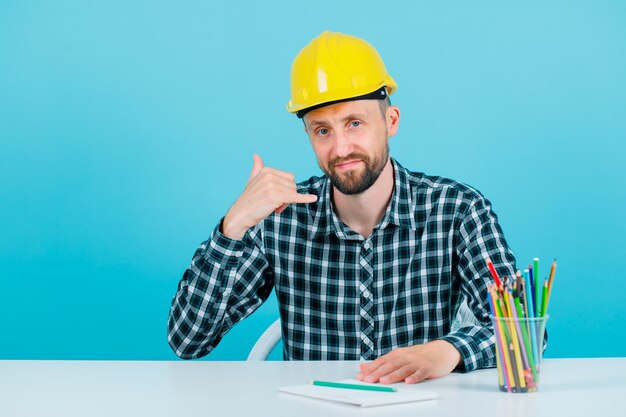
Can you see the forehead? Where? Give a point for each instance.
(339, 111)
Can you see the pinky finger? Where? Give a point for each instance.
(417, 376)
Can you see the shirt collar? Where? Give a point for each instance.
(400, 211)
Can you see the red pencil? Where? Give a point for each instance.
(494, 274)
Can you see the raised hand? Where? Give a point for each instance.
(267, 190)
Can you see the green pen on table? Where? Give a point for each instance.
(353, 386)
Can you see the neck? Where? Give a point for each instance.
(362, 212)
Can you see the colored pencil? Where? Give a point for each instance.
(544, 298)
(537, 287)
(550, 282)
(519, 367)
(493, 272)
(532, 297)
(353, 386)
(503, 335)
(502, 371)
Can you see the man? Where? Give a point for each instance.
(369, 262)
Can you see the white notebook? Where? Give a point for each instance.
(360, 398)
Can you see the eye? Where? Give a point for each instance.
(322, 132)
(355, 123)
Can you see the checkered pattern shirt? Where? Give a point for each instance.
(345, 297)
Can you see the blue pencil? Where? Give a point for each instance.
(531, 281)
(530, 300)
(538, 287)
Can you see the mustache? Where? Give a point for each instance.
(354, 155)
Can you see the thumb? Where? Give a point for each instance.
(257, 167)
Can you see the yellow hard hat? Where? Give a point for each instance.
(337, 67)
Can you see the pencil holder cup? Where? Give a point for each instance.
(519, 349)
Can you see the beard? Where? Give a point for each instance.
(355, 182)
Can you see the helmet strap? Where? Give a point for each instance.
(380, 94)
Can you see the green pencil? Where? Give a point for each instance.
(544, 299)
(353, 386)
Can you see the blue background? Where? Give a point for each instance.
(127, 129)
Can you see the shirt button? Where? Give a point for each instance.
(366, 294)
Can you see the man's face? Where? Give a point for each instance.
(350, 140)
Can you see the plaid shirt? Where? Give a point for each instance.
(342, 296)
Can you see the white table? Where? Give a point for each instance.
(569, 387)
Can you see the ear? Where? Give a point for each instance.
(393, 120)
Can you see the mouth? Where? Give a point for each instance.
(348, 164)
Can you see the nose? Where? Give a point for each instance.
(343, 145)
